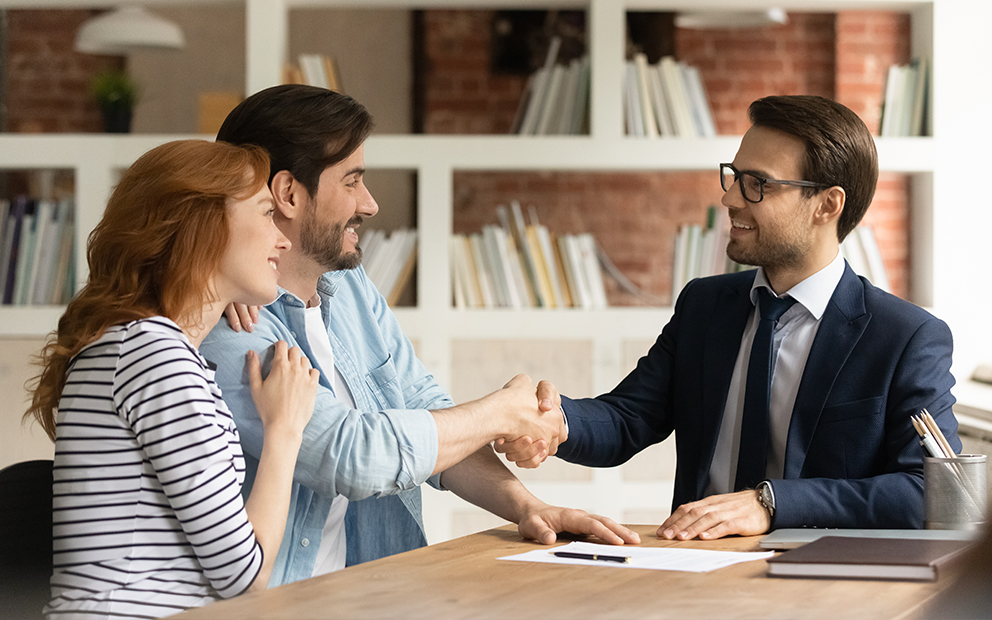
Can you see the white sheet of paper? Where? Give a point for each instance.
(655, 558)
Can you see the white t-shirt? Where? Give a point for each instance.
(332, 553)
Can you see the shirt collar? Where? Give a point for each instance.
(326, 285)
(813, 293)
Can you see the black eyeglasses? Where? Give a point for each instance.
(753, 186)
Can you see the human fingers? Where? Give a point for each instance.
(547, 396)
(678, 521)
(532, 462)
(534, 527)
(254, 371)
(512, 446)
(605, 528)
(248, 316)
(231, 315)
(519, 381)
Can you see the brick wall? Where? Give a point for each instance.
(867, 43)
(46, 83)
(635, 215)
(739, 66)
(461, 95)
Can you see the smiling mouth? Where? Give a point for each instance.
(274, 264)
(741, 226)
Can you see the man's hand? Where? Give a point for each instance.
(543, 523)
(523, 403)
(718, 516)
(240, 315)
(526, 452)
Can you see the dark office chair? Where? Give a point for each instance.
(25, 538)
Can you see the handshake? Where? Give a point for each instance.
(529, 420)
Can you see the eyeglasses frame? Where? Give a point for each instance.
(761, 183)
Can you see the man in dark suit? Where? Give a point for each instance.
(811, 426)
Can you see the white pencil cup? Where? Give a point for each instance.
(955, 493)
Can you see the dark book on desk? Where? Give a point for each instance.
(869, 558)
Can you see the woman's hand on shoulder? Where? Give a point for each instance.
(285, 398)
(240, 315)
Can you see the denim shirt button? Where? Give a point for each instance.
(305, 542)
(294, 334)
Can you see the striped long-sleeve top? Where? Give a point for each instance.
(148, 514)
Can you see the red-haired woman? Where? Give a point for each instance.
(148, 513)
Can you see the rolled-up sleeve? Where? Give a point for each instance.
(345, 451)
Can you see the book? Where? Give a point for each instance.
(791, 538)
(9, 250)
(873, 258)
(644, 93)
(313, 70)
(635, 117)
(671, 78)
(539, 90)
(659, 101)
(841, 557)
(581, 97)
(456, 258)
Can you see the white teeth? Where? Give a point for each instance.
(351, 230)
(273, 263)
(742, 226)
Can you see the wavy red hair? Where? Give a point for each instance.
(154, 252)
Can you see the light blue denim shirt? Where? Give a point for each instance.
(376, 456)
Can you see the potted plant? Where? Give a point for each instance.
(116, 94)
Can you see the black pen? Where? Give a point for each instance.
(623, 559)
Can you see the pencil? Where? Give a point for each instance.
(938, 435)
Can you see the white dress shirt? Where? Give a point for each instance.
(792, 340)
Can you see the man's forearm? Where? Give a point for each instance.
(508, 413)
(482, 479)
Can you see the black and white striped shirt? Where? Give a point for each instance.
(148, 514)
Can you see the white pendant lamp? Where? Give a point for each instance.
(125, 29)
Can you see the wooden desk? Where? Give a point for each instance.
(461, 578)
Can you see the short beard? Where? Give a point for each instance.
(786, 255)
(324, 244)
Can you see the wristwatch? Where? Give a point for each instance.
(766, 496)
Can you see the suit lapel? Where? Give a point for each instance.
(843, 323)
(723, 342)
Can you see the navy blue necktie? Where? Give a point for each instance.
(753, 453)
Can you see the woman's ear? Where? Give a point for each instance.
(286, 191)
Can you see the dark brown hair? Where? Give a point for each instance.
(839, 148)
(305, 129)
(154, 252)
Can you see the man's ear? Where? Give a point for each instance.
(831, 205)
(288, 193)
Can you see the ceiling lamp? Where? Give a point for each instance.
(125, 29)
(731, 19)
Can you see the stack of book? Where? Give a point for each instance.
(315, 70)
(518, 265)
(701, 251)
(389, 260)
(860, 248)
(665, 99)
(556, 98)
(904, 112)
(36, 251)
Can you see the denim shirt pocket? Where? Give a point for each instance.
(383, 383)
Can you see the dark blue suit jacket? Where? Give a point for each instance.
(852, 458)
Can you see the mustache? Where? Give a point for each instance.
(355, 222)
